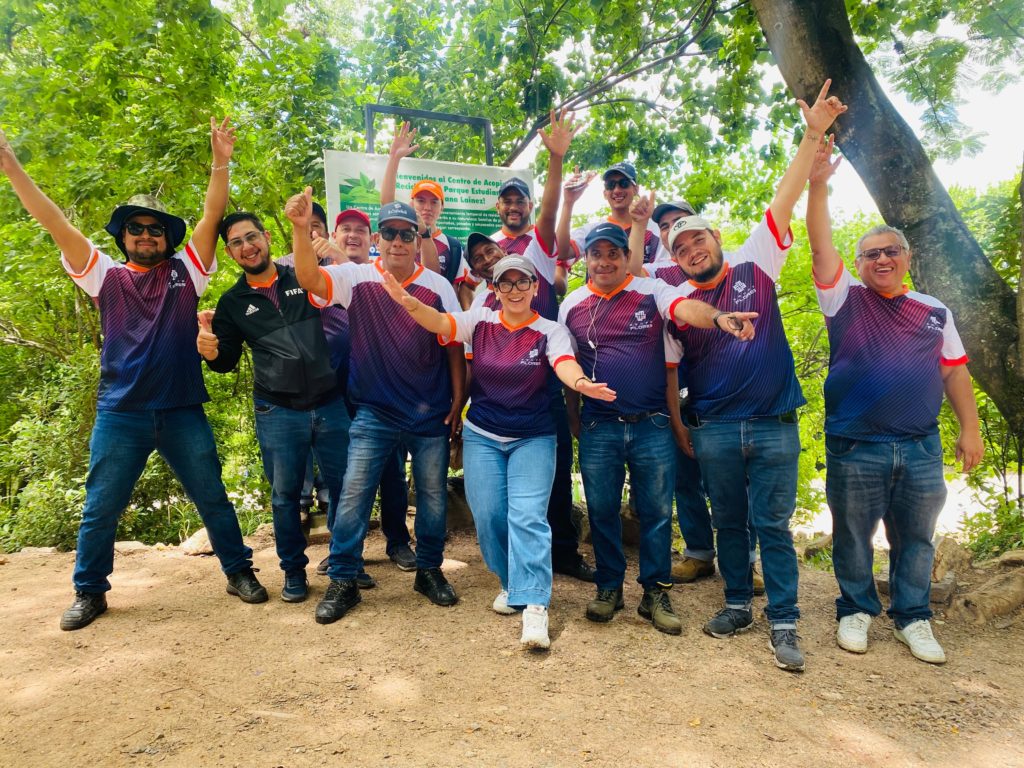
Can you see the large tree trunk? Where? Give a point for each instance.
(812, 41)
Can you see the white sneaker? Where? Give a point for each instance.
(922, 643)
(500, 604)
(852, 634)
(535, 627)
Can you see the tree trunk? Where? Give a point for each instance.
(812, 41)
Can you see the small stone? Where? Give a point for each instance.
(127, 547)
(197, 544)
(1012, 559)
(943, 591)
(39, 550)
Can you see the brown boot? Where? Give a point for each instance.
(690, 569)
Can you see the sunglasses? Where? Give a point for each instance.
(390, 233)
(623, 183)
(506, 286)
(135, 229)
(250, 239)
(874, 254)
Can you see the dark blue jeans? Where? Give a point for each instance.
(286, 437)
(693, 515)
(121, 443)
(606, 449)
(565, 539)
(901, 484)
(750, 468)
(371, 442)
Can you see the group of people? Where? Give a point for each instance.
(671, 362)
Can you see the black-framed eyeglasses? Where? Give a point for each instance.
(874, 254)
(390, 233)
(250, 238)
(623, 182)
(135, 229)
(506, 286)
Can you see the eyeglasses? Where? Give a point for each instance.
(390, 233)
(237, 242)
(135, 229)
(622, 183)
(874, 254)
(506, 286)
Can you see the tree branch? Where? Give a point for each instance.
(251, 42)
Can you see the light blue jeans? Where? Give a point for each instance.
(507, 487)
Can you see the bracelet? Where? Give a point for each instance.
(575, 384)
(714, 320)
(220, 167)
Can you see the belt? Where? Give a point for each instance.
(790, 417)
(635, 418)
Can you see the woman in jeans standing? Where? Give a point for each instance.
(509, 438)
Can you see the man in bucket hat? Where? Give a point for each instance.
(151, 385)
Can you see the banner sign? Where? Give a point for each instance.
(353, 180)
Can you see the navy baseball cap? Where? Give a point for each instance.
(517, 184)
(396, 212)
(320, 213)
(613, 233)
(626, 169)
(675, 205)
(474, 239)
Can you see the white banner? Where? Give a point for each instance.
(470, 191)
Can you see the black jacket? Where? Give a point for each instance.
(291, 361)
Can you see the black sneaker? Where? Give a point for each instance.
(321, 567)
(657, 609)
(339, 598)
(603, 607)
(296, 588)
(403, 556)
(785, 644)
(578, 569)
(246, 586)
(432, 583)
(87, 606)
(730, 621)
(365, 580)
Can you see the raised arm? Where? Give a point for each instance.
(299, 209)
(73, 244)
(574, 188)
(702, 315)
(401, 147)
(428, 248)
(204, 236)
(826, 258)
(956, 381)
(428, 317)
(557, 139)
(640, 211)
(818, 118)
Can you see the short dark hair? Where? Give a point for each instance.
(233, 218)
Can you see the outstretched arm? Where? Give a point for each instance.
(428, 317)
(73, 244)
(299, 209)
(702, 315)
(557, 139)
(826, 259)
(204, 236)
(574, 188)
(401, 147)
(818, 118)
(573, 377)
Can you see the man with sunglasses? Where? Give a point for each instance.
(893, 352)
(406, 396)
(296, 395)
(151, 383)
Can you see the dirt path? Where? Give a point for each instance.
(179, 674)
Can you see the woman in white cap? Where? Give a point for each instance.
(509, 440)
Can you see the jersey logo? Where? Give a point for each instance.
(934, 323)
(640, 321)
(251, 309)
(175, 280)
(291, 292)
(742, 291)
(532, 358)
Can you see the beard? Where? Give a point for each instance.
(257, 268)
(147, 258)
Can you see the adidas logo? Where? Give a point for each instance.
(251, 309)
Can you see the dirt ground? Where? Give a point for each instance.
(178, 673)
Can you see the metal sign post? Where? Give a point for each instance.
(481, 123)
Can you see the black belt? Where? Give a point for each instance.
(635, 418)
(790, 417)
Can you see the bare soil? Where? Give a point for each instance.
(178, 673)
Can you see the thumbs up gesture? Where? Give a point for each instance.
(206, 341)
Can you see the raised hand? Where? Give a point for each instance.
(561, 130)
(206, 341)
(641, 208)
(222, 140)
(737, 324)
(824, 112)
(299, 208)
(823, 167)
(596, 390)
(398, 293)
(401, 145)
(326, 248)
(576, 185)
(7, 157)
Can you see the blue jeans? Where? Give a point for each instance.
(750, 469)
(286, 437)
(121, 443)
(606, 449)
(901, 484)
(507, 487)
(693, 515)
(371, 442)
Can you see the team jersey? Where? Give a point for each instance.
(148, 317)
(886, 352)
(732, 380)
(395, 366)
(653, 249)
(668, 271)
(529, 245)
(509, 393)
(618, 338)
(443, 253)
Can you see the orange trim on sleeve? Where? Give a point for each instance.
(774, 229)
(543, 246)
(330, 289)
(561, 360)
(671, 366)
(469, 355)
(93, 258)
(451, 324)
(672, 313)
(195, 259)
(835, 280)
(958, 361)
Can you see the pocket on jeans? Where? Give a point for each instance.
(661, 421)
(588, 426)
(838, 446)
(931, 445)
(262, 408)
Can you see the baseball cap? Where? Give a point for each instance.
(319, 212)
(396, 212)
(352, 213)
(675, 205)
(474, 239)
(428, 185)
(509, 263)
(626, 169)
(686, 224)
(517, 184)
(613, 233)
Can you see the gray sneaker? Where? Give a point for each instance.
(785, 643)
(403, 556)
(729, 621)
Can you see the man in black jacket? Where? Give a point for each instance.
(296, 394)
